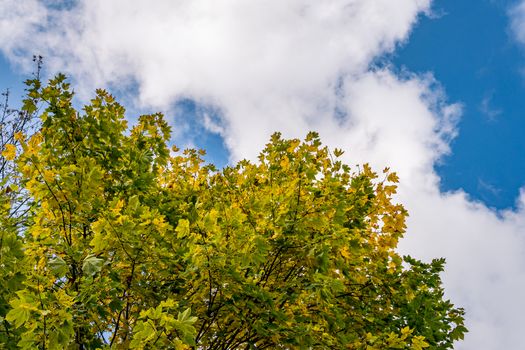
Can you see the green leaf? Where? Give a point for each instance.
(183, 228)
(92, 265)
(58, 266)
(21, 309)
(18, 316)
(184, 316)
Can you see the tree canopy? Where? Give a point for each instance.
(125, 243)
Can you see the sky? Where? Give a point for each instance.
(432, 89)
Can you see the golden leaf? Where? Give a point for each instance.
(9, 152)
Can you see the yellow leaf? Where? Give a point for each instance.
(406, 330)
(293, 145)
(285, 162)
(19, 136)
(9, 152)
(345, 252)
(183, 228)
(392, 266)
(392, 177)
(48, 175)
(418, 343)
(99, 242)
(118, 207)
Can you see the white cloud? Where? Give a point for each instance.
(289, 65)
(485, 262)
(486, 107)
(517, 21)
(18, 20)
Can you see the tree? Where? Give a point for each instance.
(128, 245)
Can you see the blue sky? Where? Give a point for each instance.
(11, 79)
(470, 50)
(433, 89)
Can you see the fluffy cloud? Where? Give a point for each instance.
(517, 23)
(296, 66)
(257, 60)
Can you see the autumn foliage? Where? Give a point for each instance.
(126, 244)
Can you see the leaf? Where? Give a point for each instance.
(21, 309)
(58, 266)
(9, 151)
(419, 343)
(345, 252)
(99, 241)
(184, 316)
(392, 177)
(338, 152)
(183, 228)
(92, 265)
(18, 316)
(19, 136)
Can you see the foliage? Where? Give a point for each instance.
(14, 124)
(128, 245)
